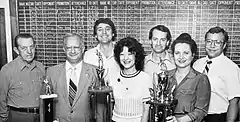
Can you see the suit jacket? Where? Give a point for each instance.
(80, 110)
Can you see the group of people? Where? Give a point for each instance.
(206, 89)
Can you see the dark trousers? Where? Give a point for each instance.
(15, 116)
(216, 117)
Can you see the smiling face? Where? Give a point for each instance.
(214, 44)
(127, 59)
(73, 49)
(104, 33)
(183, 55)
(25, 49)
(159, 41)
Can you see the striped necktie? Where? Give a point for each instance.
(207, 66)
(72, 87)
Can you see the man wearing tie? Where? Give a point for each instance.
(224, 77)
(70, 81)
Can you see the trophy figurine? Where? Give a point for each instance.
(100, 86)
(46, 103)
(100, 89)
(162, 103)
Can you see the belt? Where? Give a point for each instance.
(221, 114)
(26, 110)
(179, 113)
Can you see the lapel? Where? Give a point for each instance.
(63, 83)
(84, 80)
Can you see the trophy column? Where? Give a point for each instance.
(94, 93)
(162, 103)
(46, 107)
(46, 104)
(100, 89)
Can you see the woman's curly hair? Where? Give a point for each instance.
(134, 47)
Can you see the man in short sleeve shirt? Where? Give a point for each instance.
(224, 77)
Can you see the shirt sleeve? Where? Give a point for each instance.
(203, 94)
(197, 65)
(90, 57)
(4, 83)
(86, 57)
(233, 83)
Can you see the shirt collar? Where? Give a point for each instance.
(192, 73)
(70, 67)
(150, 57)
(98, 49)
(24, 64)
(215, 59)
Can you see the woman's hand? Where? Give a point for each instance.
(172, 119)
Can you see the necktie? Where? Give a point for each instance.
(72, 86)
(207, 66)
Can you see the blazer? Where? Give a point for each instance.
(80, 110)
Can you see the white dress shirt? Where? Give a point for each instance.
(69, 69)
(224, 77)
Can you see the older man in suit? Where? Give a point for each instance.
(70, 80)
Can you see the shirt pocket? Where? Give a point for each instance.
(37, 84)
(17, 89)
(187, 100)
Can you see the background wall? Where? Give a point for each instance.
(49, 20)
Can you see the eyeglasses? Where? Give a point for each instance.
(157, 40)
(216, 42)
(25, 48)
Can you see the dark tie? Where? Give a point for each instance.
(207, 66)
(72, 88)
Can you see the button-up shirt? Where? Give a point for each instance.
(224, 77)
(20, 85)
(192, 93)
(151, 66)
(69, 69)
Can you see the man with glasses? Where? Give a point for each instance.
(70, 81)
(159, 59)
(20, 83)
(224, 77)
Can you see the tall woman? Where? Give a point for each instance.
(193, 88)
(130, 84)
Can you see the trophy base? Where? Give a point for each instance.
(48, 96)
(103, 89)
(160, 110)
(46, 107)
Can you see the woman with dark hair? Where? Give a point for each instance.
(192, 87)
(131, 85)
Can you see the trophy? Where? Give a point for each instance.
(162, 103)
(46, 103)
(100, 89)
